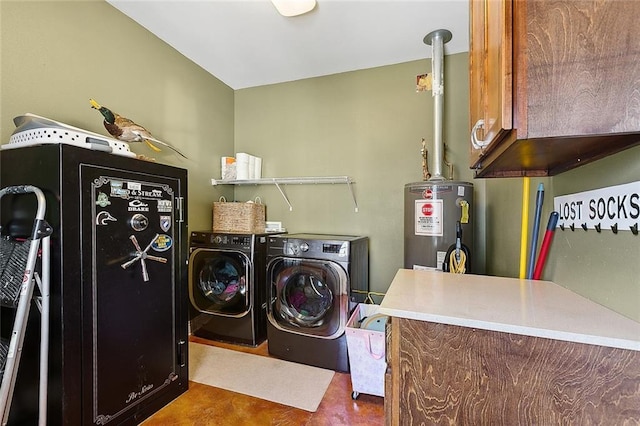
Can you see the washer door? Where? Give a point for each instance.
(308, 296)
(219, 282)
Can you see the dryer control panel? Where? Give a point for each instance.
(316, 246)
(341, 249)
(315, 249)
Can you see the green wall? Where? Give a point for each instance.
(366, 124)
(603, 267)
(55, 55)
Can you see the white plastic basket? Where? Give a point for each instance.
(33, 129)
(366, 348)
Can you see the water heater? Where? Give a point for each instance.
(431, 213)
(438, 227)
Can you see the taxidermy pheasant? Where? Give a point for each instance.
(126, 130)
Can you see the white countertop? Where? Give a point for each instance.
(511, 305)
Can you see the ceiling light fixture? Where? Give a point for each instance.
(291, 8)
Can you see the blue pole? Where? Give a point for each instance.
(536, 229)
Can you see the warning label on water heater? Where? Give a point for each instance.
(428, 217)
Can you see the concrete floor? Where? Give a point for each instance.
(206, 405)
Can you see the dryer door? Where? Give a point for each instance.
(308, 296)
(219, 282)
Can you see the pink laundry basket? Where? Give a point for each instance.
(366, 348)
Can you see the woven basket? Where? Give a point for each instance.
(239, 217)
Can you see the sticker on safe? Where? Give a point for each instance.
(162, 243)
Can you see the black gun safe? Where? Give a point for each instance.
(118, 349)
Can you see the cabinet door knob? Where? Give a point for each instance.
(475, 142)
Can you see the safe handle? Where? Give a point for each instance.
(182, 353)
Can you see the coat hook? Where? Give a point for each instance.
(614, 228)
(562, 226)
(573, 227)
(634, 229)
(598, 228)
(584, 226)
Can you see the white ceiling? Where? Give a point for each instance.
(246, 43)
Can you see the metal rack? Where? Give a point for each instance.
(279, 182)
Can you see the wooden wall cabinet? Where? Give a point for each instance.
(553, 84)
(446, 374)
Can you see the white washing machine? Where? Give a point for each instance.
(314, 283)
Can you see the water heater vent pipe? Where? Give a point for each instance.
(436, 39)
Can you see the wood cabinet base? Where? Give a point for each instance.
(442, 374)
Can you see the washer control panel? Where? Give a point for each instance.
(208, 239)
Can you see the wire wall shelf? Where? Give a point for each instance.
(280, 182)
